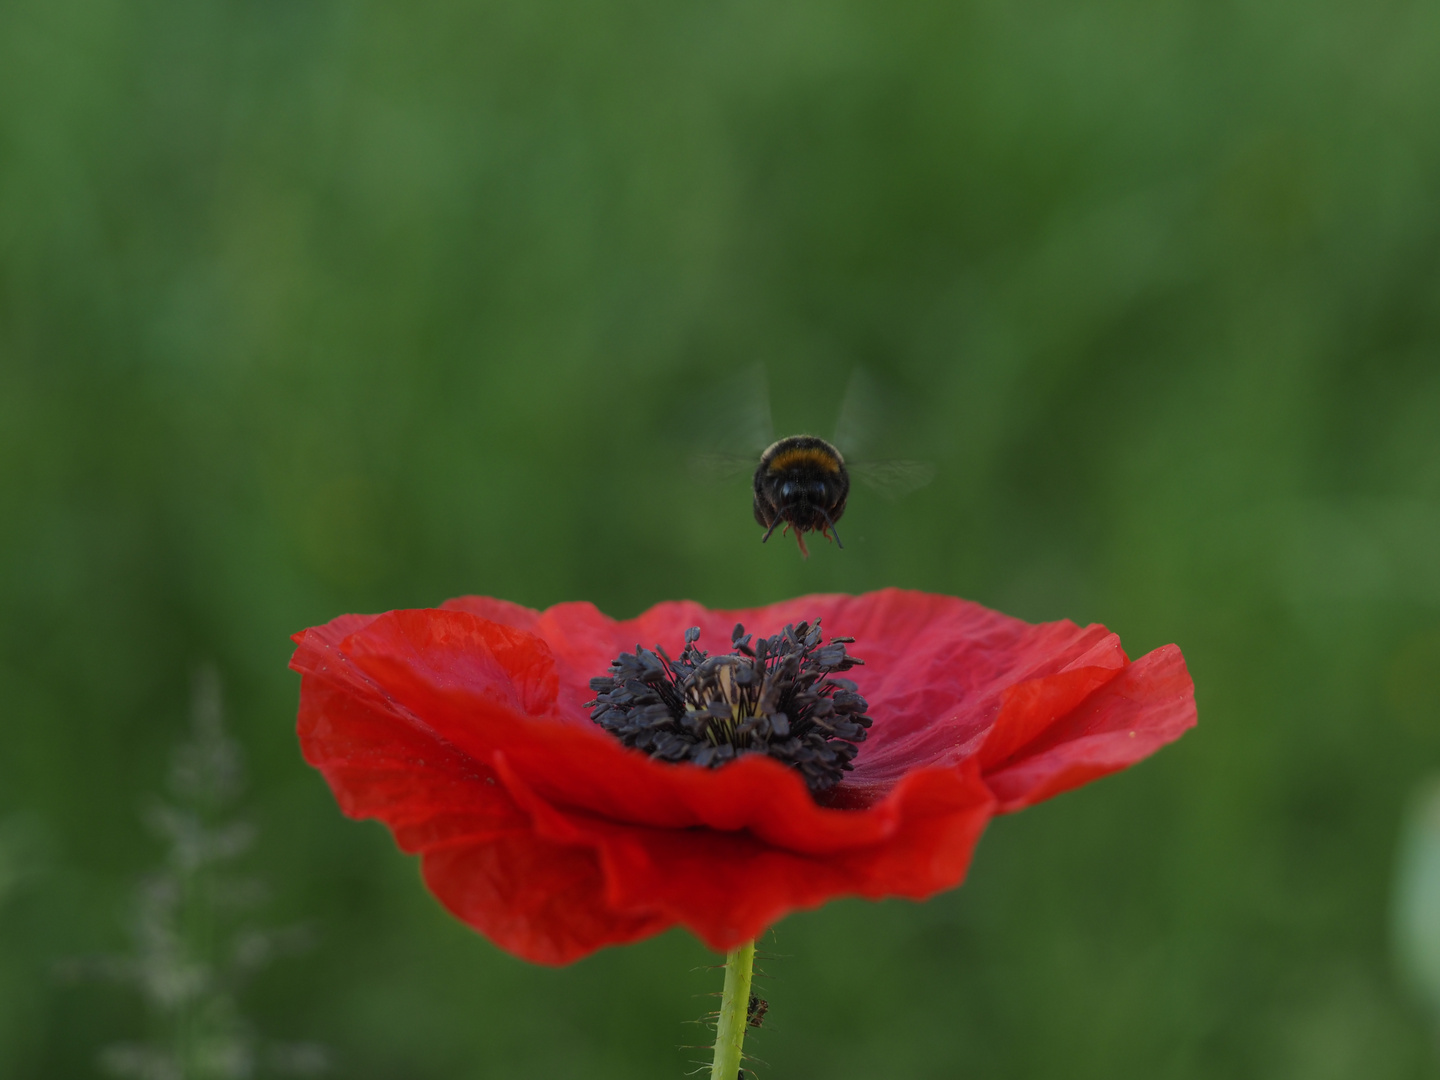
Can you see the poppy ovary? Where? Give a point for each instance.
(777, 697)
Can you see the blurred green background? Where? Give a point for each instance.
(311, 307)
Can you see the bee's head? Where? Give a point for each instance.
(793, 492)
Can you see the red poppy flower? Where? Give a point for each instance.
(466, 730)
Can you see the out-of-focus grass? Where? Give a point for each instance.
(317, 307)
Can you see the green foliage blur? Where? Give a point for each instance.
(310, 307)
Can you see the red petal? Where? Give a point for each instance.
(727, 886)
(935, 668)
(539, 900)
(465, 731)
(1151, 703)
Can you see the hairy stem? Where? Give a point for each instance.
(734, 1012)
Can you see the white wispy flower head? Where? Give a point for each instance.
(189, 953)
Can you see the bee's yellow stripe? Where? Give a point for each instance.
(809, 455)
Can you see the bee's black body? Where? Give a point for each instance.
(801, 481)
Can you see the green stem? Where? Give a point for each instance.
(734, 1012)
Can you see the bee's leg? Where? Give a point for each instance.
(800, 539)
(830, 530)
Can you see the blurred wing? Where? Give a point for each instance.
(733, 416)
(893, 479)
(863, 417)
(714, 468)
(730, 426)
(860, 414)
(753, 421)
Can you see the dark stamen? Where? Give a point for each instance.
(776, 697)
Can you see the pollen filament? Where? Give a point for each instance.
(777, 697)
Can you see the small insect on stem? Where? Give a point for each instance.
(755, 1011)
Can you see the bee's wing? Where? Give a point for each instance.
(860, 414)
(863, 415)
(892, 479)
(715, 467)
(742, 407)
(731, 422)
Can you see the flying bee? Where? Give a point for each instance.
(802, 482)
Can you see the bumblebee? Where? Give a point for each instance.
(802, 482)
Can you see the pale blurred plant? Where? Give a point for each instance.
(1416, 922)
(190, 952)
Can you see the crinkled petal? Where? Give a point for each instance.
(464, 729)
(540, 900)
(727, 886)
(936, 667)
(1149, 704)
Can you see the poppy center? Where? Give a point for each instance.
(777, 697)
